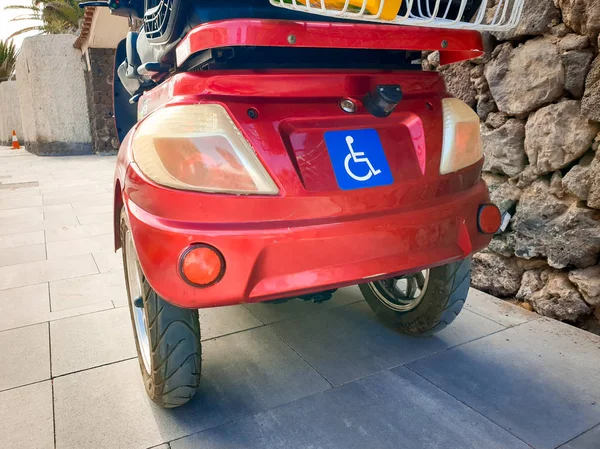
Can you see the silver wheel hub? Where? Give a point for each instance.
(136, 293)
(402, 293)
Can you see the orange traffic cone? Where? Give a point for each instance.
(15, 141)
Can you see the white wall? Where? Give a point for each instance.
(10, 112)
(107, 30)
(52, 93)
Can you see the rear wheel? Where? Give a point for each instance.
(167, 337)
(421, 303)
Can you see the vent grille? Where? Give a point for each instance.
(156, 19)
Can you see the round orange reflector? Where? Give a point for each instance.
(489, 218)
(202, 265)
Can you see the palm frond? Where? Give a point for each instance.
(19, 18)
(39, 28)
(8, 59)
(20, 7)
(55, 16)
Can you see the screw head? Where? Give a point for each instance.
(348, 105)
(444, 44)
(252, 113)
(291, 39)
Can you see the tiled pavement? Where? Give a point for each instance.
(296, 375)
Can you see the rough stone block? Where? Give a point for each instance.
(52, 93)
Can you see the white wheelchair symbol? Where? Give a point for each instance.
(358, 156)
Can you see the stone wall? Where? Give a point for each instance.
(100, 100)
(10, 112)
(52, 93)
(537, 92)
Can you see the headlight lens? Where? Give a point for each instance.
(461, 146)
(198, 147)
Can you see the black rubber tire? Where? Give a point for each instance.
(444, 298)
(175, 348)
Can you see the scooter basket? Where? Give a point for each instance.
(480, 15)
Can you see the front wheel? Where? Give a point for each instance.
(167, 337)
(421, 303)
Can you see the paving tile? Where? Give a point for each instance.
(243, 374)
(21, 215)
(82, 188)
(350, 342)
(15, 240)
(23, 177)
(64, 208)
(272, 312)
(68, 215)
(589, 440)
(91, 340)
(22, 254)
(27, 214)
(32, 273)
(386, 410)
(24, 356)
(68, 233)
(11, 189)
(26, 417)
(24, 306)
(84, 245)
(64, 199)
(99, 208)
(58, 221)
(99, 199)
(497, 310)
(48, 184)
(18, 203)
(78, 311)
(108, 260)
(121, 301)
(77, 183)
(218, 321)
(86, 290)
(105, 217)
(539, 380)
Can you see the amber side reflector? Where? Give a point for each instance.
(488, 219)
(202, 265)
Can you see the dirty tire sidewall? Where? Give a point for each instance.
(175, 349)
(444, 298)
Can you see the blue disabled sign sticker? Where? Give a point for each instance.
(358, 159)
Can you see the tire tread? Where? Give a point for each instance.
(175, 349)
(176, 353)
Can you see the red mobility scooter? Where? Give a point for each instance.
(282, 149)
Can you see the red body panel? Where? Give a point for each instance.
(453, 45)
(312, 236)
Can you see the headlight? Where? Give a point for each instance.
(198, 147)
(461, 146)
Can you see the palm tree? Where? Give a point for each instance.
(8, 60)
(55, 16)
